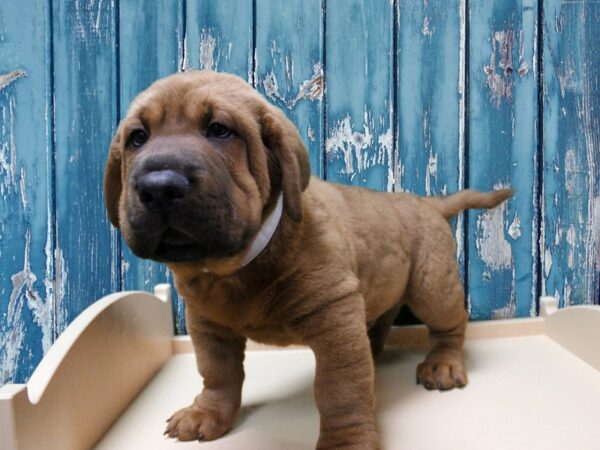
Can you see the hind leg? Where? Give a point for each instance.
(438, 301)
(379, 331)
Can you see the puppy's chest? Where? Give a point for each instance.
(255, 315)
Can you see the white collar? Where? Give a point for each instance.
(266, 232)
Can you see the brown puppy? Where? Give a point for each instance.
(198, 174)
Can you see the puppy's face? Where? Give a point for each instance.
(196, 164)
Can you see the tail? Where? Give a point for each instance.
(451, 205)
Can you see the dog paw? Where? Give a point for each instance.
(192, 423)
(441, 375)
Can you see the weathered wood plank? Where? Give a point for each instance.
(359, 102)
(571, 102)
(26, 225)
(429, 97)
(87, 257)
(150, 47)
(219, 36)
(289, 67)
(502, 244)
(431, 100)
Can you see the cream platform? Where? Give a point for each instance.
(117, 372)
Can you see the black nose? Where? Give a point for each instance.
(161, 189)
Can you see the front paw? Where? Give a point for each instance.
(441, 374)
(193, 423)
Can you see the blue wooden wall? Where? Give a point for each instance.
(428, 96)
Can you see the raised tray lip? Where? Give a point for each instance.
(44, 372)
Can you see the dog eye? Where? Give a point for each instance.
(218, 130)
(138, 138)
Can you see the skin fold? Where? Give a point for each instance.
(341, 263)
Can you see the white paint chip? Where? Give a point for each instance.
(431, 171)
(515, 228)
(310, 89)
(547, 261)
(351, 144)
(425, 29)
(492, 246)
(571, 238)
(386, 145)
(207, 50)
(505, 312)
(571, 174)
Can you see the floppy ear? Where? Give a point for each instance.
(282, 138)
(112, 180)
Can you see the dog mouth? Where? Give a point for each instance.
(174, 245)
(175, 238)
(177, 246)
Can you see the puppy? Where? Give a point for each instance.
(205, 175)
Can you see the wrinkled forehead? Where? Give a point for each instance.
(194, 98)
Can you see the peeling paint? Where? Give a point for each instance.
(184, 63)
(425, 28)
(515, 227)
(8, 152)
(22, 189)
(505, 312)
(565, 79)
(351, 144)
(571, 239)
(311, 89)
(253, 74)
(500, 84)
(207, 50)
(386, 144)
(271, 87)
(49, 281)
(8, 78)
(87, 19)
(60, 289)
(570, 171)
(492, 246)
(431, 171)
(125, 266)
(547, 262)
(523, 67)
(13, 333)
(96, 26)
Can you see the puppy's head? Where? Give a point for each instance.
(196, 165)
